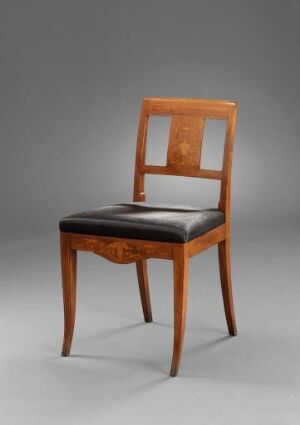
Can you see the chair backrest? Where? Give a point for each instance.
(185, 142)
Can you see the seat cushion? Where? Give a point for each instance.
(140, 220)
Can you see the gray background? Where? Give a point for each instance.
(73, 74)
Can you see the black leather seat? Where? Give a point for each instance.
(140, 220)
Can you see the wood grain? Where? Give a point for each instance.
(207, 108)
(180, 267)
(121, 250)
(184, 172)
(142, 275)
(68, 269)
(214, 236)
(225, 275)
(185, 141)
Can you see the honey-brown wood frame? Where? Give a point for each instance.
(184, 160)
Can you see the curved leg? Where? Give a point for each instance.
(225, 275)
(180, 266)
(68, 268)
(141, 268)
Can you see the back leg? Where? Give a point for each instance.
(225, 275)
(142, 275)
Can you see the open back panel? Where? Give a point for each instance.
(185, 141)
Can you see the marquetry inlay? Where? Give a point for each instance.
(185, 140)
(120, 251)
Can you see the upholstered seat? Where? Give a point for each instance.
(140, 220)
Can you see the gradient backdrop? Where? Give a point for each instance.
(72, 77)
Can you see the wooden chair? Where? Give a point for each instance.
(134, 232)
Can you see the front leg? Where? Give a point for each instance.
(68, 269)
(180, 267)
